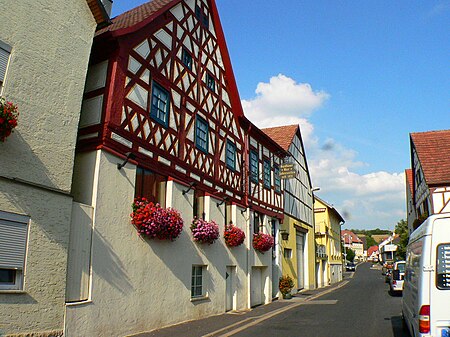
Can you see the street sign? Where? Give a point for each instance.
(287, 171)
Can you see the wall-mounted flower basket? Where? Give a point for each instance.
(154, 222)
(8, 118)
(204, 231)
(233, 236)
(262, 242)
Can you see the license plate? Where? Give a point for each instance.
(445, 332)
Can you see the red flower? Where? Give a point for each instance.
(8, 118)
(262, 242)
(233, 236)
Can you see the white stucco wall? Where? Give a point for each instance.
(50, 43)
(147, 279)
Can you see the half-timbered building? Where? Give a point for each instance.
(430, 161)
(162, 119)
(298, 256)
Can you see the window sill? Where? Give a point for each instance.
(12, 291)
(200, 298)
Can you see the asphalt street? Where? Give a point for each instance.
(361, 308)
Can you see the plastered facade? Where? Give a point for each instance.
(50, 45)
(147, 279)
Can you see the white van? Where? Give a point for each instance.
(426, 292)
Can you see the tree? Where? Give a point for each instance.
(370, 241)
(402, 230)
(350, 254)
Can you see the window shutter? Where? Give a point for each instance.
(4, 57)
(13, 240)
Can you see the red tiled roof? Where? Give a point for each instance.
(283, 135)
(433, 149)
(409, 178)
(136, 15)
(372, 250)
(355, 238)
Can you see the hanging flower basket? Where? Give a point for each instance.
(8, 118)
(233, 236)
(204, 231)
(262, 242)
(155, 222)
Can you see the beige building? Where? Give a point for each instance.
(44, 53)
(328, 223)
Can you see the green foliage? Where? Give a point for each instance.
(370, 241)
(350, 254)
(402, 230)
(370, 232)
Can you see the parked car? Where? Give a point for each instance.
(350, 266)
(386, 266)
(397, 276)
(387, 276)
(426, 291)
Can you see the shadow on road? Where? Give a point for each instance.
(397, 327)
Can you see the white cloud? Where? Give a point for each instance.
(374, 199)
(285, 98)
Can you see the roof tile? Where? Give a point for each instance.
(433, 149)
(283, 135)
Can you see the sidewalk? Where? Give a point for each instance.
(229, 323)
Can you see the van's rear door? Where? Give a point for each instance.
(440, 285)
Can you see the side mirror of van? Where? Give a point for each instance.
(396, 274)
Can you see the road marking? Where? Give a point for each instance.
(258, 319)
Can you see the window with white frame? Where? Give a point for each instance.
(201, 134)
(198, 281)
(160, 104)
(13, 244)
(230, 155)
(5, 51)
(266, 173)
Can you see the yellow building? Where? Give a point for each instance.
(328, 223)
(297, 229)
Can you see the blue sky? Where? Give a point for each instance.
(357, 76)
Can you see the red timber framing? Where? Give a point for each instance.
(262, 197)
(149, 52)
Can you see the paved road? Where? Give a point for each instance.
(362, 308)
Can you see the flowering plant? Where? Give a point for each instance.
(286, 284)
(8, 118)
(233, 235)
(262, 242)
(204, 231)
(153, 221)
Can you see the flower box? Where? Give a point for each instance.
(233, 236)
(154, 222)
(204, 231)
(262, 242)
(8, 118)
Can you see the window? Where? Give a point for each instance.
(277, 180)
(13, 243)
(210, 82)
(197, 285)
(204, 20)
(254, 170)
(187, 59)
(266, 170)
(160, 104)
(231, 155)
(201, 134)
(288, 253)
(257, 222)
(151, 186)
(5, 51)
(199, 204)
